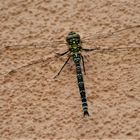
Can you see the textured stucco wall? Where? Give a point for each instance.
(33, 105)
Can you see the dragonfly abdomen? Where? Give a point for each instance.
(77, 59)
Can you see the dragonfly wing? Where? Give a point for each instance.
(122, 40)
(19, 60)
(101, 35)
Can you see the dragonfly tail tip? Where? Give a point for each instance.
(86, 113)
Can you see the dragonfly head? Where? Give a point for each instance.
(73, 38)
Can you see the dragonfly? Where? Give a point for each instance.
(74, 50)
(74, 47)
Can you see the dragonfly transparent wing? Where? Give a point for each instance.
(101, 35)
(17, 60)
(114, 66)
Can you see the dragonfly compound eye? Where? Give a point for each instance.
(73, 38)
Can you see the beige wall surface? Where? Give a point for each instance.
(34, 105)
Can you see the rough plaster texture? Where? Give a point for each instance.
(33, 105)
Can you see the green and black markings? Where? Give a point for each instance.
(74, 49)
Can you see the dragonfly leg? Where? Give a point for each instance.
(87, 50)
(61, 54)
(83, 64)
(62, 67)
